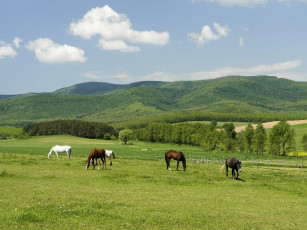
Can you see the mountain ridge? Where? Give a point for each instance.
(109, 103)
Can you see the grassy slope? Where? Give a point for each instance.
(229, 94)
(37, 192)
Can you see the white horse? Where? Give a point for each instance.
(60, 149)
(109, 154)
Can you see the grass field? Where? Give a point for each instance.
(37, 192)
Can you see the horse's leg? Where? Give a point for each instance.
(237, 173)
(168, 164)
(57, 154)
(233, 174)
(93, 162)
(110, 160)
(177, 165)
(226, 170)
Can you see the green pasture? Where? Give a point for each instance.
(9, 130)
(138, 192)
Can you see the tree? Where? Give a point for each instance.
(125, 135)
(248, 137)
(260, 138)
(281, 138)
(230, 130)
(240, 141)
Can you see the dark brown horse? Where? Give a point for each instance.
(94, 155)
(178, 156)
(234, 164)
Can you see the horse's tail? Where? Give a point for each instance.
(166, 156)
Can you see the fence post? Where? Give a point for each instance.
(284, 164)
(268, 162)
(302, 164)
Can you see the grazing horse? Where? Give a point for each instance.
(234, 164)
(60, 149)
(109, 154)
(94, 155)
(178, 156)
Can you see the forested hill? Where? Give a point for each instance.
(105, 102)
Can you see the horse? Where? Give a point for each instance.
(109, 154)
(178, 156)
(96, 154)
(234, 164)
(60, 149)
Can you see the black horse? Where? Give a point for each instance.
(234, 164)
(178, 156)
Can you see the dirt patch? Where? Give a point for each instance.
(268, 125)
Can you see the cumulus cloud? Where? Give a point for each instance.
(115, 30)
(17, 42)
(277, 69)
(6, 50)
(50, 52)
(117, 45)
(207, 34)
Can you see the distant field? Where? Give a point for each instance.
(9, 130)
(220, 123)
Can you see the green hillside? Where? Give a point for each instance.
(111, 103)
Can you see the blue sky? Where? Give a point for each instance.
(46, 45)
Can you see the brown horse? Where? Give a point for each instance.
(94, 155)
(178, 156)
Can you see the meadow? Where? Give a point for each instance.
(138, 192)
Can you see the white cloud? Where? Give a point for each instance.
(277, 69)
(117, 45)
(248, 3)
(50, 52)
(6, 50)
(113, 27)
(241, 42)
(207, 35)
(241, 3)
(17, 42)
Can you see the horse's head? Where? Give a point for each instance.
(49, 155)
(88, 163)
(239, 165)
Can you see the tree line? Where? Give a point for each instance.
(280, 140)
(179, 117)
(93, 130)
